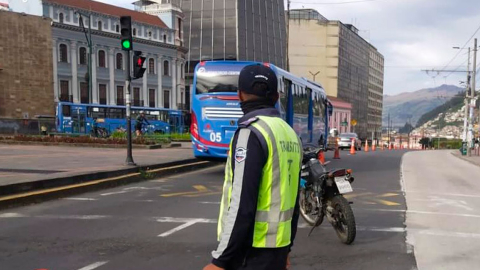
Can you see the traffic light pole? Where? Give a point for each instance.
(129, 160)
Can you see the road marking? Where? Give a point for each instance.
(12, 215)
(179, 228)
(93, 266)
(385, 202)
(388, 195)
(187, 222)
(91, 183)
(354, 195)
(81, 199)
(371, 199)
(210, 202)
(419, 212)
(113, 193)
(76, 217)
(200, 191)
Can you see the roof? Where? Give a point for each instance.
(111, 10)
(4, 4)
(339, 103)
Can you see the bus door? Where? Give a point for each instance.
(174, 122)
(79, 116)
(310, 115)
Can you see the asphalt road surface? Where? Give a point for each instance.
(170, 224)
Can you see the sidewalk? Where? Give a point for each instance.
(442, 194)
(31, 163)
(474, 159)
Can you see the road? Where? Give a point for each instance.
(170, 224)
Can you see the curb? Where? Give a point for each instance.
(117, 146)
(464, 158)
(38, 191)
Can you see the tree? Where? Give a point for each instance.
(406, 129)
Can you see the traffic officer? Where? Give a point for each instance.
(259, 208)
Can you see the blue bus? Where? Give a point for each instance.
(78, 118)
(216, 109)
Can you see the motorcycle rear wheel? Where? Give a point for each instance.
(312, 220)
(345, 228)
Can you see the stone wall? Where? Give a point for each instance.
(26, 68)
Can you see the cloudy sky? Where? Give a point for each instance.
(411, 34)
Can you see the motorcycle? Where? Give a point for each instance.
(321, 195)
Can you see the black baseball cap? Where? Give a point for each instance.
(257, 74)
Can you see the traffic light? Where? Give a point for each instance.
(138, 62)
(126, 32)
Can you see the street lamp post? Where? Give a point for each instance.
(88, 36)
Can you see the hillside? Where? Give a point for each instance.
(412, 105)
(453, 105)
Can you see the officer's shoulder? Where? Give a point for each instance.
(248, 122)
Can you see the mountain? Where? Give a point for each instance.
(410, 106)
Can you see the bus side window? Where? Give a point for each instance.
(284, 96)
(96, 112)
(66, 110)
(115, 113)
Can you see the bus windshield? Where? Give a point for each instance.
(212, 83)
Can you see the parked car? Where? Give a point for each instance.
(345, 141)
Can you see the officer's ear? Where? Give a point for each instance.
(240, 96)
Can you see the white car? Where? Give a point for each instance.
(345, 141)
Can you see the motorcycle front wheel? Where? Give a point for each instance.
(345, 220)
(310, 215)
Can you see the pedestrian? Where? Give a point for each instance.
(139, 123)
(259, 208)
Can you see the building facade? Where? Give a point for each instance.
(335, 55)
(163, 83)
(341, 116)
(26, 76)
(375, 92)
(248, 30)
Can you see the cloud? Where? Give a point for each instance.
(411, 34)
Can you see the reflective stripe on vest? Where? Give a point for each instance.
(278, 187)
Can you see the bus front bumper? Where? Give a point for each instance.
(201, 150)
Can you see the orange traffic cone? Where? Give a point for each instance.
(374, 148)
(366, 146)
(337, 151)
(352, 148)
(321, 157)
(390, 146)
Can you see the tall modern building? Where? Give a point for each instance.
(335, 55)
(375, 92)
(229, 29)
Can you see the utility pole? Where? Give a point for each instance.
(388, 129)
(472, 100)
(288, 35)
(467, 89)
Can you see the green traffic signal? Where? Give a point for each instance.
(126, 44)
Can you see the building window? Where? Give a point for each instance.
(182, 70)
(136, 96)
(134, 31)
(84, 96)
(63, 53)
(60, 17)
(179, 28)
(101, 59)
(120, 96)
(83, 56)
(164, 38)
(166, 99)
(149, 33)
(100, 26)
(151, 66)
(166, 68)
(64, 92)
(119, 61)
(117, 28)
(102, 93)
(151, 98)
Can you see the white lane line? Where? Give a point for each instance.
(76, 217)
(419, 212)
(210, 202)
(93, 266)
(81, 199)
(12, 215)
(446, 194)
(113, 193)
(187, 222)
(179, 228)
